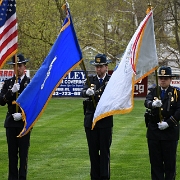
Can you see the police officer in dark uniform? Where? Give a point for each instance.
(162, 122)
(99, 139)
(17, 147)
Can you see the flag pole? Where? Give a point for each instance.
(16, 78)
(158, 95)
(157, 84)
(82, 65)
(88, 81)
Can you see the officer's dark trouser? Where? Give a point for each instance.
(17, 145)
(99, 142)
(163, 159)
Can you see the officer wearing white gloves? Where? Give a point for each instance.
(17, 147)
(99, 139)
(163, 126)
(17, 116)
(15, 87)
(157, 103)
(89, 92)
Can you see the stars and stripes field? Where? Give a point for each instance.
(58, 148)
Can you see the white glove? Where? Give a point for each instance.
(89, 92)
(162, 125)
(15, 87)
(157, 103)
(17, 116)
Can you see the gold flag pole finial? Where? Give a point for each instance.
(149, 8)
(65, 6)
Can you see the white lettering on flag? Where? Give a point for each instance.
(49, 72)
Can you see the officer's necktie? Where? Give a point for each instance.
(100, 81)
(19, 80)
(163, 93)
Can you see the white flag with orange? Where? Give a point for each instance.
(139, 60)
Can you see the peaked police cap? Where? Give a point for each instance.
(165, 71)
(100, 59)
(20, 59)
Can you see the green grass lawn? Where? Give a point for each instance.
(59, 149)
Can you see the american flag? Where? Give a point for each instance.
(8, 30)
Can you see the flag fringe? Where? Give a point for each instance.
(146, 74)
(119, 111)
(110, 113)
(65, 25)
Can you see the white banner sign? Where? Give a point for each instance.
(8, 73)
(175, 83)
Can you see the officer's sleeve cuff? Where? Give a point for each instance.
(172, 121)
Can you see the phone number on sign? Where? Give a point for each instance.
(56, 93)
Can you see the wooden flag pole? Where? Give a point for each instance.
(82, 65)
(88, 81)
(16, 72)
(158, 94)
(157, 84)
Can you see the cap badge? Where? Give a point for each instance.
(163, 72)
(18, 59)
(98, 60)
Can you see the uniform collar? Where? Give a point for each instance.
(101, 78)
(164, 89)
(22, 77)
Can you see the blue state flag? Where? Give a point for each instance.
(62, 58)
